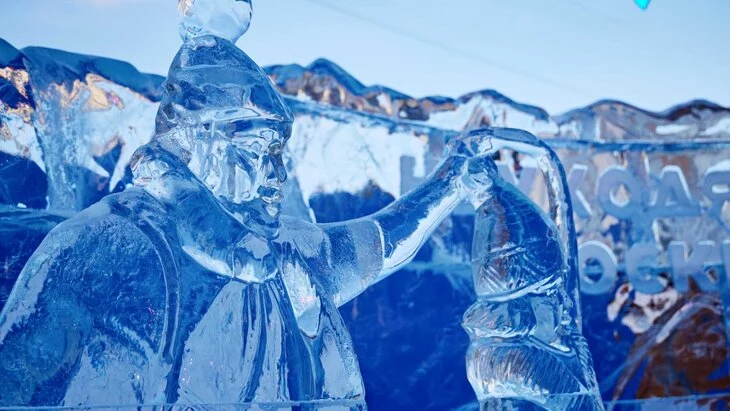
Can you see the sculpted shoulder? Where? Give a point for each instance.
(110, 253)
(97, 277)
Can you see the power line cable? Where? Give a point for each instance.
(453, 50)
(607, 17)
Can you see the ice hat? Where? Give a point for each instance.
(227, 19)
(210, 78)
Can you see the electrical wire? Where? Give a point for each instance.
(453, 50)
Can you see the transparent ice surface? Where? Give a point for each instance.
(527, 351)
(111, 103)
(228, 19)
(190, 287)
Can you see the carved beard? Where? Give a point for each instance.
(258, 212)
(258, 216)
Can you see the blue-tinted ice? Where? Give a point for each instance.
(189, 287)
(527, 351)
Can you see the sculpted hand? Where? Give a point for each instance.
(478, 170)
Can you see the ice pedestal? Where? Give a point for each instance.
(260, 406)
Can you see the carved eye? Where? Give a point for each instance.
(275, 149)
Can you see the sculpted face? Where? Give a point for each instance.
(258, 149)
(242, 165)
(223, 116)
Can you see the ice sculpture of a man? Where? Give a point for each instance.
(189, 288)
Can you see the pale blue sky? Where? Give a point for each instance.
(557, 54)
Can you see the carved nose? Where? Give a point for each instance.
(277, 171)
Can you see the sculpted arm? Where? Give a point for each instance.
(350, 256)
(406, 224)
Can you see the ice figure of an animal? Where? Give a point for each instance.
(527, 351)
(189, 287)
